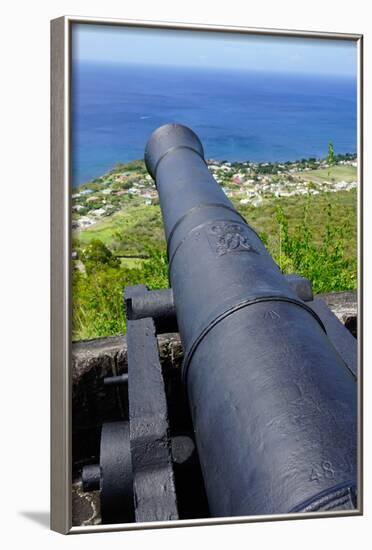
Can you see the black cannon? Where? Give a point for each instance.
(270, 386)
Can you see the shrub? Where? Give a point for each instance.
(96, 254)
(98, 308)
(324, 264)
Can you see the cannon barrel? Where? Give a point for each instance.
(272, 402)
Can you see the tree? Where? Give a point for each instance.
(331, 154)
(96, 254)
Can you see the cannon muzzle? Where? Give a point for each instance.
(272, 402)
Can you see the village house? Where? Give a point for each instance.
(257, 202)
(84, 221)
(99, 212)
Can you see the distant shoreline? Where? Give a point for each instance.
(247, 182)
(273, 117)
(234, 163)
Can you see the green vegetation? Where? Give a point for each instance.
(333, 174)
(129, 231)
(331, 154)
(98, 292)
(312, 211)
(304, 211)
(313, 235)
(325, 263)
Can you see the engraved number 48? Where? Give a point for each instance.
(324, 471)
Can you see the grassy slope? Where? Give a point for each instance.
(344, 206)
(128, 231)
(137, 229)
(333, 174)
(132, 229)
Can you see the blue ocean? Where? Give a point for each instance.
(239, 116)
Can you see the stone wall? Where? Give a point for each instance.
(108, 356)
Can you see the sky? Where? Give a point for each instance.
(146, 46)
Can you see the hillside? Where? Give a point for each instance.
(305, 212)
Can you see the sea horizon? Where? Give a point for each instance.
(240, 116)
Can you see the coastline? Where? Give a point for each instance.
(247, 182)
